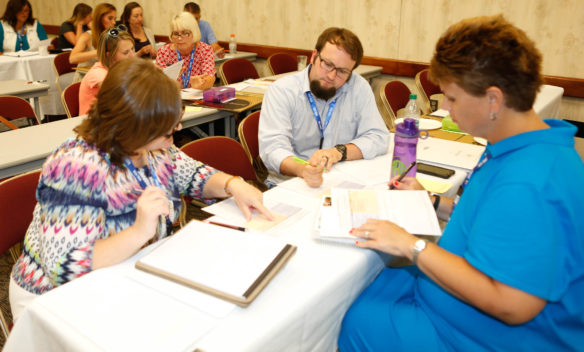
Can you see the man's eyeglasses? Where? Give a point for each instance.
(183, 34)
(115, 32)
(328, 66)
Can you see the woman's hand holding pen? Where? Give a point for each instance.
(152, 203)
(406, 183)
(248, 198)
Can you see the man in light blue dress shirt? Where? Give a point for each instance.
(324, 114)
(207, 34)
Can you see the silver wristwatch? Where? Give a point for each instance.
(419, 246)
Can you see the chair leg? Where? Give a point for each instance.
(4, 325)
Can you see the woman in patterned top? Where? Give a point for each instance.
(198, 68)
(117, 186)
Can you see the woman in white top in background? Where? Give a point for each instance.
(18, 29)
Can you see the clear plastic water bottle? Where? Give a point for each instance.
(412, 110)
(404, 147)
(232, 44)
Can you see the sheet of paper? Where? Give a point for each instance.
(21, 53)
(191, 93)
(433, 185)
(227, 260)
(449, 153)
(349, 209)
(368, 172)
(440, 113)
(227, 209)
(173, 70)
(330, 180)
(190, 108)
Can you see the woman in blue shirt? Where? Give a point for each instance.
(18, 28)
(508, 272)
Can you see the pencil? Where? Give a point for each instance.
(403, 174)
(238, 228)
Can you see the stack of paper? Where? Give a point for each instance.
(348, 209)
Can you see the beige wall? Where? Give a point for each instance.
(397, 29)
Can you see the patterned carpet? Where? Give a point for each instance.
(6, 262)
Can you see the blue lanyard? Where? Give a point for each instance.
(329, 114)
(20, 36)
(128, 163)
(186, 76)
(482, 161)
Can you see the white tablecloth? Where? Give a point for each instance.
(301, 309)
(35, 68)
(548, 102)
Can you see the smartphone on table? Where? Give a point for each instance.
(433, 170)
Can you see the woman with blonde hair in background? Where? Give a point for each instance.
(198, 69)
(114, 45)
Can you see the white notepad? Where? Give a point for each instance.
(225, 263)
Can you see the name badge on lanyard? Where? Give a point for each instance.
(329, 114)
(186, 76)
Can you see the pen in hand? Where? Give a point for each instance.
(403, 174)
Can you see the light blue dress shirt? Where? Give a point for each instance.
(288, 128)
(207, 35)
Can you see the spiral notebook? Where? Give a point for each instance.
(225, 263)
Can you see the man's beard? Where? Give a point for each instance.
(320, 92)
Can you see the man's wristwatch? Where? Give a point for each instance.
(419, 246)
(343, 150)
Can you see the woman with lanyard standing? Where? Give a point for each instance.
(18, 28)
(116, 187)
(198, 68)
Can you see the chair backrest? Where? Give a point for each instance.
(70, 99)
(64, 70)
(17, 202)
(282, 63)
(222, 153)
(13, 108)
(394, 95)
(426, 89)
(237, 70)
(61, 63)
(248, 136)
(55, 43)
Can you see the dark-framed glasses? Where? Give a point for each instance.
(182, 34)
(328, 66)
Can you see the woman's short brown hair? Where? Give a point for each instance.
(481, 52)
(345, 39)
(136, 104)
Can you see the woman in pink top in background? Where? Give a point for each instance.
(114, 45)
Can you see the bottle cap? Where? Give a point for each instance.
(407, 128)
(413, 96)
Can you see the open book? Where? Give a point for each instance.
(346, 209)
(222, 262)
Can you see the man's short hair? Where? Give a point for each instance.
(192, 8)
(345, 39)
